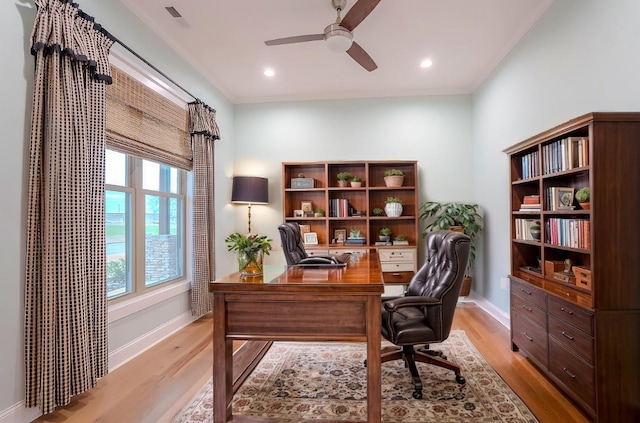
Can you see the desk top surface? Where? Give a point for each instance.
(362, 275)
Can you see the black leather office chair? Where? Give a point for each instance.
(425, 313)
(294, 251)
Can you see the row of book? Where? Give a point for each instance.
(573, 233)
(565, 154)
(530, 165)
(523, 229)
(339, 207)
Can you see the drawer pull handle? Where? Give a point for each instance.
(525, 291)
(566, 335)
(567, 311)
(527, 308)
(571, 375)
(527, 336)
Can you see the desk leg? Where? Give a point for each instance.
(222, 363)
(374, 383)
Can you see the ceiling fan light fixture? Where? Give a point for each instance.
(338, 38)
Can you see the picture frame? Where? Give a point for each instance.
(563, 199)
(340, 235)
(307, 207)
(310, 238)
(305, 228)
(298, 213)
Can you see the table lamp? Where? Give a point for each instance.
(250, 190)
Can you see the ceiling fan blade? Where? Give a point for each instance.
(358, 54)
(357, 13)
(296, 39)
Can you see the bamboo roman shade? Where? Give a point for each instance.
(143, 123)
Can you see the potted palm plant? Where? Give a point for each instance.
(455, 216)
(250, 250)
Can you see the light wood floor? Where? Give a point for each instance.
(154, 386)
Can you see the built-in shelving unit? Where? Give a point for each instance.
(580, 327)
(358, 204)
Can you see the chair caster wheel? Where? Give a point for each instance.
(460, 379)
(417, 394)
(442, 356)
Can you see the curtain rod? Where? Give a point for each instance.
(146, 62)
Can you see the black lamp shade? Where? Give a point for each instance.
(250, 190)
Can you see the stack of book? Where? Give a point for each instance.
(355, 241)
(530, 203)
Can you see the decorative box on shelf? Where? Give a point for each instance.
(552, 266)
(302, 183)
(583, 277)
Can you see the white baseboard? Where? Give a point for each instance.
(501, 316)
(139, 345)
(17, 413)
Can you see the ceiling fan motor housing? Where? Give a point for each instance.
(338, 38)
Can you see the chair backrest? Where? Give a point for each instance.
(292, 244)
(441, 275)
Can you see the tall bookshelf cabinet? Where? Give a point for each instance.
(372, 194)
(583, 332)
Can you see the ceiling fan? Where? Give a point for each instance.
(338, 35)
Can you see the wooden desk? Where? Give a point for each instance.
(292, 303)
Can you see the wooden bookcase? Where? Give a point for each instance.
(372, 194)
(584, 333)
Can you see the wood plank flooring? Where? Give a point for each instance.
(154, 386)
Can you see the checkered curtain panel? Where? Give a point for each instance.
(204, 131)
(65, 287)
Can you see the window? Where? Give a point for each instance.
(145, 224)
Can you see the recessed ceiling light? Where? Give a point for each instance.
(269, 72)
(426, 63)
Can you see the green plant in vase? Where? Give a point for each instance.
(583, 197)
(344, 178)
(250, 250)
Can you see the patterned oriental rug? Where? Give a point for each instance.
(306, 381)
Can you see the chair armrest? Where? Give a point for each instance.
(411, 301)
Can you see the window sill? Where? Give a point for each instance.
(126, 308)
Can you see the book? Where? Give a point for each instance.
(531, 199)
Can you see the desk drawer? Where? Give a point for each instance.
(387, 255)
(397, 267)
(354, 251)
(571, 338)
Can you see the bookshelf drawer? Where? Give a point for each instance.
(529, 310)
(531, 338)
(529, 294)
(572, 314)
(574, 373)
(571, 338)
(387, 255)
(397, 267)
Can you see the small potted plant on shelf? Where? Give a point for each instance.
(319, 212)
(344, 178)
(582, 197)
(455, 216)
(393, 206)
(400, 240)
(377, 211)
(356, 182)
(385, 235)
(393, 177)
(250, 250)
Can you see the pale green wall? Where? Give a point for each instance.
(582, 56)
(435, 131)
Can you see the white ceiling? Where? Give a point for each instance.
(224, 40)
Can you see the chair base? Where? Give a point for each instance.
(423, 355)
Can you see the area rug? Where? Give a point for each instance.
(307, 381)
